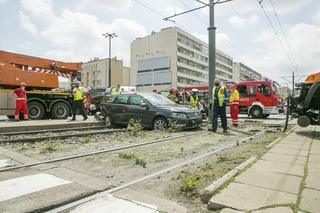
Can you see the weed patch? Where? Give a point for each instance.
(141, 162)
(127, 155)
(131, 156)
(87, 139)
(174, 127)
(134, 128)
(48, 147)
(189, 183)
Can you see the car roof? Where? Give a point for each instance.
(134, 93)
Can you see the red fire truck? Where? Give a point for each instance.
(257, 98)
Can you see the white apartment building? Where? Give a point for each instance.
(242, 72)
(95, 73)
(173, 58)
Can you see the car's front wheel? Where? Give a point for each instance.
(108, 121)
(160, 124)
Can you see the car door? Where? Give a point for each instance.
(119, 109)
(139, 110)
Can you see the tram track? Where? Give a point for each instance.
(236, 142)
(50, 130)
(158, 141)
(79, 133)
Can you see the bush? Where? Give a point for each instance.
(134, 128)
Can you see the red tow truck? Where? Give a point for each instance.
(257, 98)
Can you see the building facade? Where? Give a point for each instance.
(95, 73)
(284, 92)
(173, 58)
(241, 72)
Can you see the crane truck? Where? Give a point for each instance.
(44, 98)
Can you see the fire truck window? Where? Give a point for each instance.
(242, 90)
(264, 89)
(252, 90)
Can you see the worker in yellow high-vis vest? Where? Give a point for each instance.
(234, 105)
(78, 102)
(194, 98)
(115, 90)
(218, 105)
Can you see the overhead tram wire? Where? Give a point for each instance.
(280, 25)
(161, 15)
(195, 14)
(281, 29)
(276, 33)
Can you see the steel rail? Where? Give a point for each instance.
(50, 130)
(41, 138)
(155, 174)
(101, 151)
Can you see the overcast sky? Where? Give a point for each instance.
(71, 30)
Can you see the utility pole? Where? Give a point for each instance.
(211, 38)
(212, 48)
(110, 36)
(293, 83)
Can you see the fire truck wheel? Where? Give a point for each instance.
(36, 110)
(256, 112)
(266, 115)
(60, 110)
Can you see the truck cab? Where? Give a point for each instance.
(258, 98)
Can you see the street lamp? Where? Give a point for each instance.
(110, 36)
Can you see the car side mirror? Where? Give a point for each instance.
(144, 105)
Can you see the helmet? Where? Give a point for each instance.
(217, 80)
(194, 90)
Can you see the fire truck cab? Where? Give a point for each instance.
(258, 98)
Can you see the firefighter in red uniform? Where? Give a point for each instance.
(21, 102)
(234, 105)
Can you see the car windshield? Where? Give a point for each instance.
(157, 100)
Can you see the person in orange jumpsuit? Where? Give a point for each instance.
(21, 102)
(234, 105)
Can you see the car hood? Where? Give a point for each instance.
(178, 108)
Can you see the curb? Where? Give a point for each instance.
(209, 190)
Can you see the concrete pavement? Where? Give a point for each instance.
(285, 179)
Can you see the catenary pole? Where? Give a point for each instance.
(212, 48)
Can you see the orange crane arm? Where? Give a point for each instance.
(31, 61)
(36, 72)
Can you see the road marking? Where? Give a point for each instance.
(5, 163)
(112, 204)
(17, 187)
